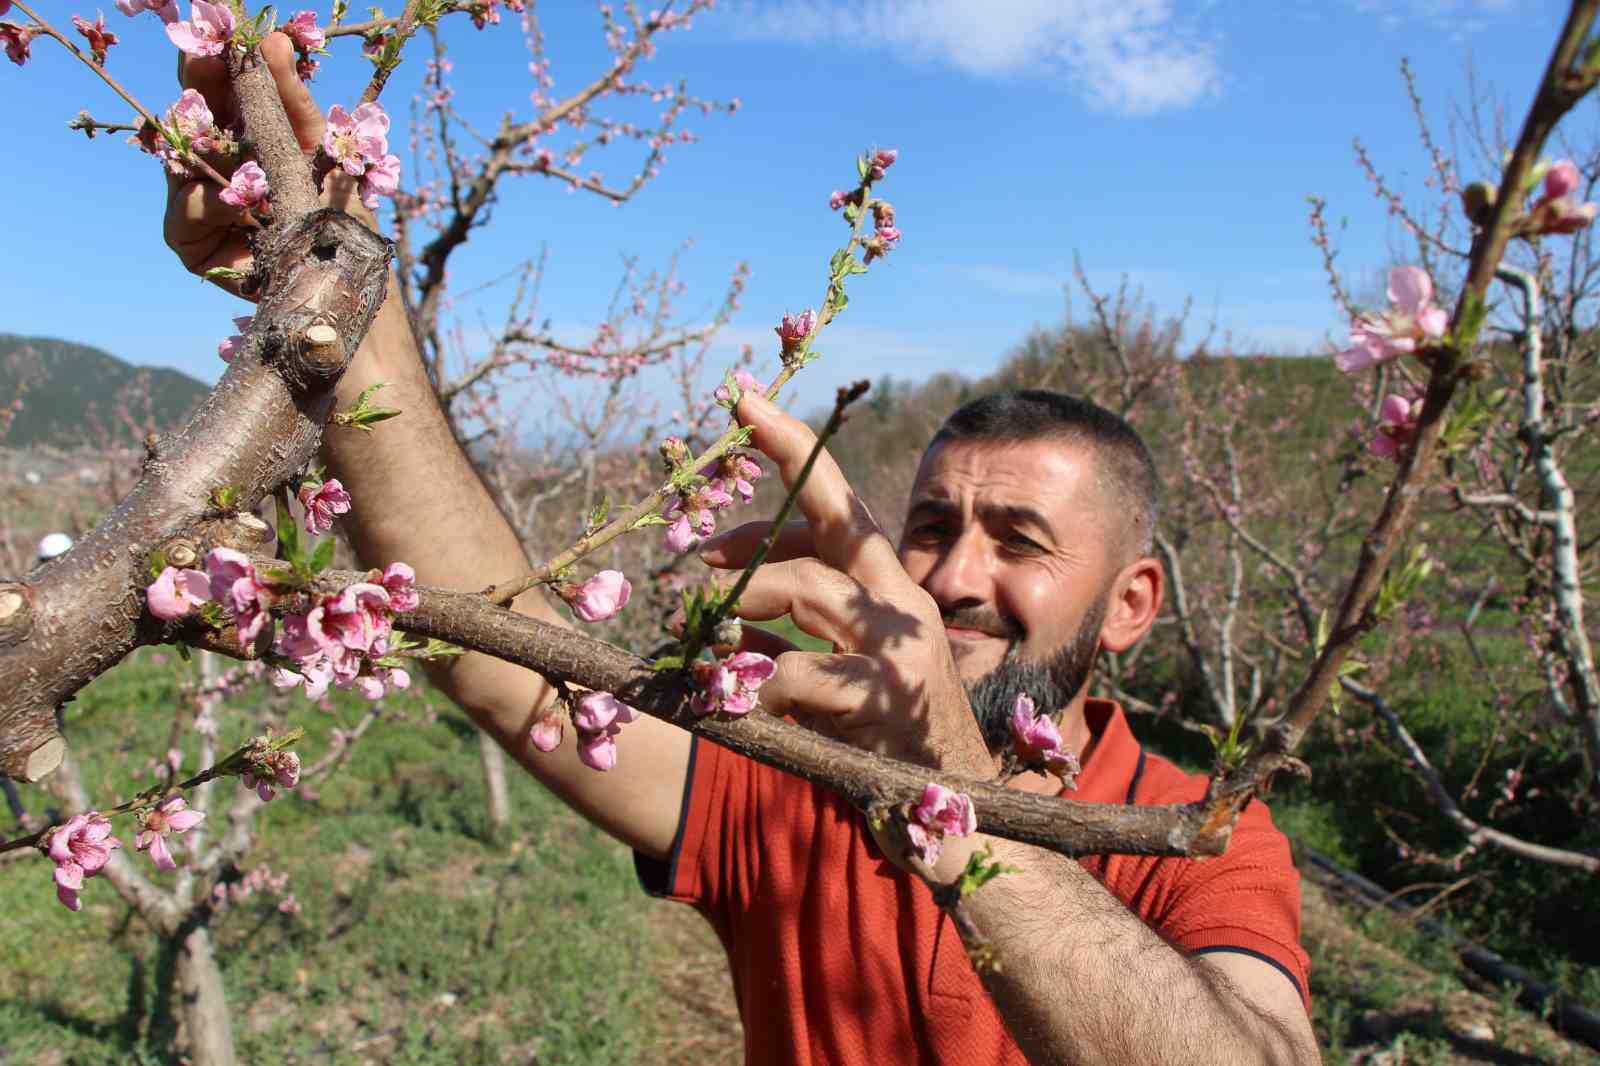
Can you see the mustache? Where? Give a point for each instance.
(984, 620)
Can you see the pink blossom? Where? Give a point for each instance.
(322, 503)
(1413, 320)
(17, 40)
(357, 141)
(837, 199)
(679, 536)
(208, 30)
(1561, 178)
(172, 816)
(304, 31)
(598, 711)
(356, 619)
(740, 472)
(192, 119)
(598, 719)
(1397, 424)
(1036, 740)
(247, 189)
(281, 768)
(381, 179)
(176, 592)
(882, 160)
(730, 686)
(80, 849)
(100, 39)
(1563, 216)
(745, 381)
(796, 328)
(235, 584)
(546, 733)
(941, 813)
(231, 346)
(165, 10)
(399, 581)
(600, 597)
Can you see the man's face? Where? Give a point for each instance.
(1009, 539)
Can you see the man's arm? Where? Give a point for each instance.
(417, 499)
(1083, 980)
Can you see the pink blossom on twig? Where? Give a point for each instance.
(795, 328)
(232, 345)
(730, 686)
(234, 584)
(1037, 742)
(165, 10)
(173, 816)
(18, 41)
(303, 30)
(207, 31)
(1414, 320)
(281, 768)
(100, 39)
(598, 598)
(941, 813)
(247, 189)
(80, 849)
(176, 592)
(599, 718)
(1397, 424)
(322, 504)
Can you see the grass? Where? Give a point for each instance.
(419, 941)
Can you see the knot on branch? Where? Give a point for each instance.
(16, 613)
(326, 277)
(30, 747)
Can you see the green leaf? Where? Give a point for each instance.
(836, 264)
(861, 167)
(856, 267)
(322, 555)
(289, 545)
(648, 520)
(667, 662)
(183, 651)
(981, 869)
(839, 300)
(158, 563)
(224, 274)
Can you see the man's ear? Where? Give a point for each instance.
(1134, 604)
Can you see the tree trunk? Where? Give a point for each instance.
(494, 778)
(205, 1033)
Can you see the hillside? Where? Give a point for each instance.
(74, 394)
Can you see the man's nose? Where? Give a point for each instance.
(962, 577)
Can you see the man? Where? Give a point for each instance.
(1025, 553)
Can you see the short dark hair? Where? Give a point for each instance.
(1127, 472)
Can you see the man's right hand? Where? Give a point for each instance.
(204, 231)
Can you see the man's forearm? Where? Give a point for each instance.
(1083, 980)
(411, 467)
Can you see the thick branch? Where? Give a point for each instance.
(1068, 827)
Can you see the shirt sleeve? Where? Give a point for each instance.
(1246, 900)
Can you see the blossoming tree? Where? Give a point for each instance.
(182, 559)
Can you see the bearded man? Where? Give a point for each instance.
(1026, 552)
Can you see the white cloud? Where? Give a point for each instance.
(1129, 57)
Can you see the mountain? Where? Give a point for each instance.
(75, 395)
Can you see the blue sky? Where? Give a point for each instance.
(1174, 143)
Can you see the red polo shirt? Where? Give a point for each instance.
(839, 957)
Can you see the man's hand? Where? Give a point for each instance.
(204, 231)
(890, 685)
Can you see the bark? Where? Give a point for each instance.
(205, 1033)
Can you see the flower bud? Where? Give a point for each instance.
(674, 452)
(1477, 201)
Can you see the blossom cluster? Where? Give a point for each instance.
(344, 632)
(940, 813)
(1556, 212)
(359, 143)
(1412, 323)
(1037, 742)
(259, 880)
(281, 768)
(691, 515)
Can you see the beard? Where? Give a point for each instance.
(1052, 682)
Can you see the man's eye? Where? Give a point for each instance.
(929, 531)
(1018, 542)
